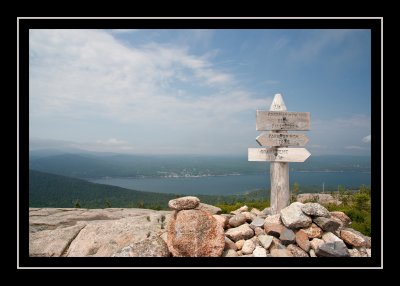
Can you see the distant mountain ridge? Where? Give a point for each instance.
(98, 165)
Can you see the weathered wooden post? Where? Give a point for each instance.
(278, 120)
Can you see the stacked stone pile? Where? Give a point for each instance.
(193, 229)
(299, 230)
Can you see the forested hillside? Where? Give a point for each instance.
(48, 190)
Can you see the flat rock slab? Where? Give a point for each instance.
(104, 238)
(50, 243)
(52, 218)
(58, 231)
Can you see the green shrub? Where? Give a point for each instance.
(227, 208)
(361, 201)
(77, 204)
(357, 207)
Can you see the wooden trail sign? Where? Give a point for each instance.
(281, 120)
(281, 139)
(278, 154)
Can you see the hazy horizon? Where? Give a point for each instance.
(71, 150)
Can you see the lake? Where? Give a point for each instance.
(236, 184)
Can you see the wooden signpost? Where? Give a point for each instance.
(278, 154)
(281, 139)
(276, 120)
(280, 121)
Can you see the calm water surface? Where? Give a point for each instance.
(239, 184)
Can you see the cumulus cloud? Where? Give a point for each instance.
(90, 76)
(83, 72)
(367, 139)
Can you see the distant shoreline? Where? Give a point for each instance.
(176, 176)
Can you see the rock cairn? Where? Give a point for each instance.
(193, 231)
(299, 230)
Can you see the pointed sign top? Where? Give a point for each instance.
(278, 104)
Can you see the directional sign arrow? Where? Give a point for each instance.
(278, 154)
(282, 120)
(282, 139)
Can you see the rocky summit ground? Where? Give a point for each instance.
(194, 229)
(91, 232)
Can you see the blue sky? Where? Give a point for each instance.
(196, 91)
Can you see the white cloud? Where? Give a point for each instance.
(154, 89)
(367, 139)
(110, 142)
(79, 72)
(353, 147)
